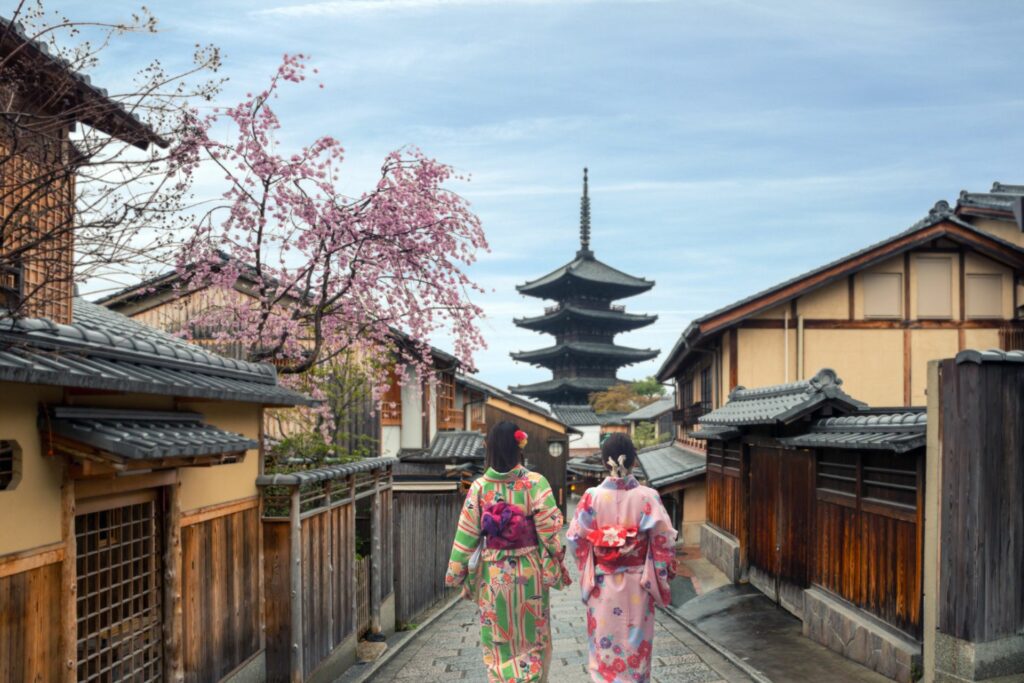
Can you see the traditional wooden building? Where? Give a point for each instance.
(817, 501)
(951, 281)
(584, 358)
(677, 474)
(659, 414)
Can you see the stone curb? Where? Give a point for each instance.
(729, 655)
(394, 648)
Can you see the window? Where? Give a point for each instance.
(705, 390)
(883, 295)
(983, 295)
(10, 465)
(934, 287)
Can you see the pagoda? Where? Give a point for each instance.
(584, 358)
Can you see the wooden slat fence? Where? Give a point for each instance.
(425, 527)
(309, 533)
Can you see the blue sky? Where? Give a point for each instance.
(731, 145)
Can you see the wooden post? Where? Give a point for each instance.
(174, 672)
(353, 583)
(375, 553)
(332, 574)
(295, 575)
(68, 583)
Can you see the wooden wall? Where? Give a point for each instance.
(30, 599)
(328, 587)
(220, 593)
(866, 550)
(981, 543)
(726, 500)
(424, 529)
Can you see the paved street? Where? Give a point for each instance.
(449, 650)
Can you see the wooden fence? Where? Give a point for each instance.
(425, 526)
(311, 582)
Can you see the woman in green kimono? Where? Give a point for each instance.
(507, 555)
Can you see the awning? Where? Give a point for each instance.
(126, 437)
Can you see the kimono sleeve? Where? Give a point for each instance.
(581, 525)
(547, 519)
(467, 537)
(660, 566)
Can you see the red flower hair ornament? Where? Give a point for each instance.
(521, 438)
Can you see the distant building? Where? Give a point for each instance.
(658, 413)
(584, 358)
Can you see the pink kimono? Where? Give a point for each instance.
(625, 549)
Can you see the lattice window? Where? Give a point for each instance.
(447, 415)
(119, 594)
(10, 465)
(1011, 338)
(391, 402)
(837, 471)
(887, 479)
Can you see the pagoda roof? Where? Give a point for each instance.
(585, 274)
(560, 387)
(622, 354)
(609, 318)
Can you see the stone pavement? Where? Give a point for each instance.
(449, 649)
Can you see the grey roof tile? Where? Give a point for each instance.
(782, 403)
(715, 433)
(611, 318)
(451, 446)
(590, 270)
(576, 416)
(143, 435)
(326, 473)
(592, 384)
(102, 349)
(990, 356)
(899, 432)
(669, 463)
(592, 349)
(652, 410)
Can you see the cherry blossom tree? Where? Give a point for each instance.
(327, 277)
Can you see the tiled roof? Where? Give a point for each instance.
(491, 390)
(576, 416)
(668, 463)
(589, 270)
(587, 466)
(105, 350)
(453, 447)
(610, 318)
(583, 349)
(898, 431)
(590, 384)
(940, 213)
(612, 418)
(110, 116)
(1002, 198)
(326, 473)
(714, 433)
(990, 356)
(782, 403)
(652, 410)
(141, 434)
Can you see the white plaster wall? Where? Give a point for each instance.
(390, 440)
(591, 437)
(412, 416)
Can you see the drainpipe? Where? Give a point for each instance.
(785, 346)
(799, 347)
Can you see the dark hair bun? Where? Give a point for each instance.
(618, 444)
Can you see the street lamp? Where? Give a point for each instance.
(556, 449)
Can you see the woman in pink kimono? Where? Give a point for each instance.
(625, 549)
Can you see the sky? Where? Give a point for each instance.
(731, 144)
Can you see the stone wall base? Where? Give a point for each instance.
(960, 660)
(859, 636)
(722, 550)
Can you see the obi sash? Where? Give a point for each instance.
(618, 546)
(506, 526)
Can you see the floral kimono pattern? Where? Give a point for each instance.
(508, 571)
(625, 548)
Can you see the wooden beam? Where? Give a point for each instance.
(844, 324)
(68, 583)
(906, 285)
(93, 488)
(295, 560)
(734, 356)
(850, 287)
(963, 297)
(174, 672)
(26, 560)
(209, 512)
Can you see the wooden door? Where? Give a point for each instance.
(781, 490)
(120, 589)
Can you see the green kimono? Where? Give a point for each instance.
(511, 585)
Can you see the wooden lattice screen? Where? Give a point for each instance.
(36, 213)
(391, 403)
(6, 464)
(119, 593)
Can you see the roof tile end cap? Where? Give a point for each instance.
(989, 356)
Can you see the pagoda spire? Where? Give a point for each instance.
(585, 220)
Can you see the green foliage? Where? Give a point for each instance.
(644, 435)
(625, 398)
(305, 451)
